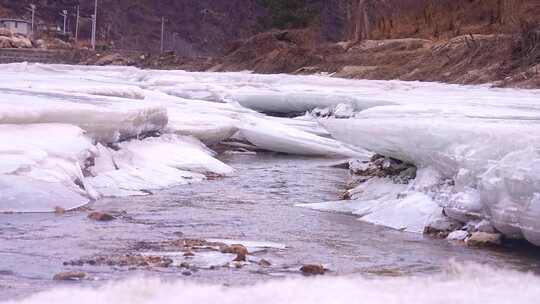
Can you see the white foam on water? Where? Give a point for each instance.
(459, 285)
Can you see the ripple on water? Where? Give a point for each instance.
(255, 204)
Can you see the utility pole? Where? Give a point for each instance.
(94, 26)
(77, 24)
(32, 9)
(174, 41)
(64, 14)
(162, 34)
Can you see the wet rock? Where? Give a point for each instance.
(158, 261)
(187, 273)
(313, 269)
(441, 227)
(458, 235)
(240, 251)
(125, 261)
(189, 254)
(101, 217)
(345, 195)
(59, 210)
(483, 239)
(70, 276)
(190, 243)
(484, 226)
(380, 166)
(264, 263)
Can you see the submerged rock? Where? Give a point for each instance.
(264, 263)
(483, 239)
(70, 276)
(125, 261)
(441, 227)
(101, 217)
(240, 251)
(313, 269)
(59, 210)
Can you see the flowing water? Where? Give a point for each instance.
(257, 204)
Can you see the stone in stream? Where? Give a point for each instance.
(458, 235)
(101, 217)
(313, 269)
(381, 166)
(484, 239)
(189, 254)
(240, 251)
(59, 210)
(70, 276)
(441, 227)
(264, 263)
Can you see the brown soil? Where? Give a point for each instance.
(464, 59)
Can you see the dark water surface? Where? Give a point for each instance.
(257, 204)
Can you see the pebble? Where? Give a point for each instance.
(484, 239)
(101, 217)
(240, 251)
(313, 269)
(59, 210)
(264, 263)
(70, 276)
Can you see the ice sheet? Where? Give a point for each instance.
(40, 167)
(155, 163)
(484, 139)
(380, 201)
(488, 146)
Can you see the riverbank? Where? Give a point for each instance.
(498, 60)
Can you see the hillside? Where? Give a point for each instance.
(201, 27)
(457, 41)
(460, 41)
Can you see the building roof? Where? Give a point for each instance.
(13, 20)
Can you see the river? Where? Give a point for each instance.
(256, 204)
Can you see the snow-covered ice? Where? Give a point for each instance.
(485, 141)
(40, 167)
(70, 134)
(477, 148)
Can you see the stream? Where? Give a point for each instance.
(256, 204)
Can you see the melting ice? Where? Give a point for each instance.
(86, 132)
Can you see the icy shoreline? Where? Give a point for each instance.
(87, 132)
(72, 134)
